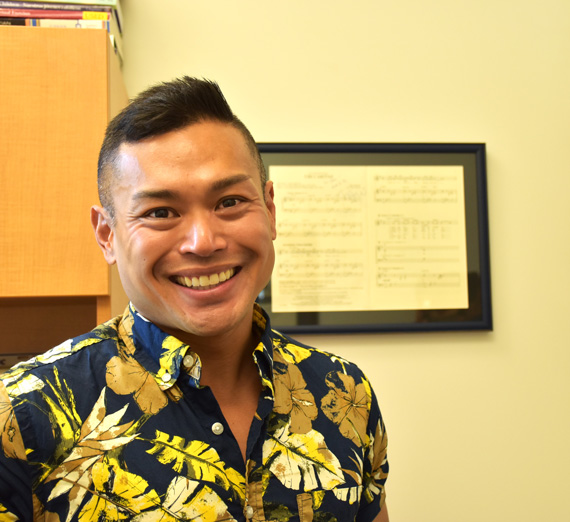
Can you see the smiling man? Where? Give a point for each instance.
(188, 406)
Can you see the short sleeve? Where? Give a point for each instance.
(375, 466)
(15, 484)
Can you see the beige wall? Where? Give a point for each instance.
(479, 423)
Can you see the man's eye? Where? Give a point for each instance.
(229, 202)
(159, 213)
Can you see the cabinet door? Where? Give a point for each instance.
(55, 106)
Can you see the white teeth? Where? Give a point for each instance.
(205, 281)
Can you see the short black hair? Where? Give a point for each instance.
(160, 109)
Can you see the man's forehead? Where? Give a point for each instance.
(146, 180)
(186, 148)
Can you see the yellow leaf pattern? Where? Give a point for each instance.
(120, 494)
(292, 353)
(17, 385)
(172, 351)
(201, 460)
(293, 457)
(66, 421)
(99, 434)
(182, 503)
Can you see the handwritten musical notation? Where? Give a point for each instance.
(317, 270)
(401, 228)
(287, 229)
(408, 189)
(355, 238)
(419, 280)
(424, 254)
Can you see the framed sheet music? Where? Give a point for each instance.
(379, 237)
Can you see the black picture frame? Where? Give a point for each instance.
(472, 156)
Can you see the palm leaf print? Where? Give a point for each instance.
(99, 434)
(185, 500)
(347, 405)
(201, 460)
(120, 494)
(293, 457)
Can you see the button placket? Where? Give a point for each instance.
(253, 505)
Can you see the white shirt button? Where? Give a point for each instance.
(166, 377)
(188, 361)
(249, 512)
(217, 428)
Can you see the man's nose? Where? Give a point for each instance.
(203, 236)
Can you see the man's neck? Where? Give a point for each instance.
(227, 365)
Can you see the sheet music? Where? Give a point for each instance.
(369, 238)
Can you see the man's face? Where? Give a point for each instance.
(193, 233)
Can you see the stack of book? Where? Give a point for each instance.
(83, 14)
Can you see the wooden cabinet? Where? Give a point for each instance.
(58, 90)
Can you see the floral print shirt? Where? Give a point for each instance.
(114, 425)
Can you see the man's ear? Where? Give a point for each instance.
(104, 234)
(270, 204)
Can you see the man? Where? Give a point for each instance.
(188, 406)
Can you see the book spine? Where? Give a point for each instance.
(14, 21)
(45, 5)
(115, 9)
(69, 23)
(54, 13)
(110, 3)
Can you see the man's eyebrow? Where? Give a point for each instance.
(156, 194)
(171, 195)
(224, 183)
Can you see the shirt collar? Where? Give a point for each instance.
(158, 352)
(163, 355)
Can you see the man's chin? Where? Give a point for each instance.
(207, 328)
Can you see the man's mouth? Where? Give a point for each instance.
(205, 281)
